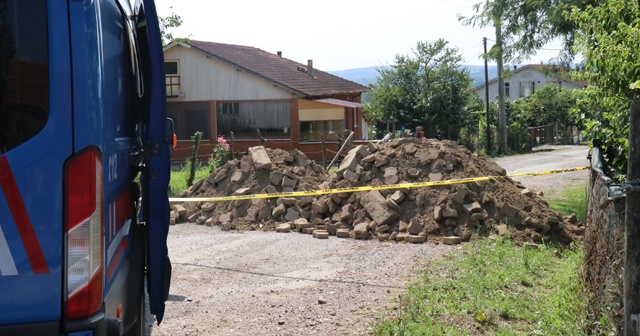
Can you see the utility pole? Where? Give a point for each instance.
(631, 276)
(502, 115)
(486, 95)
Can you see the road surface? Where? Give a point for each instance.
(549, 158)
(266, 283)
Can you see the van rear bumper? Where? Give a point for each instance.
(45, 329)
(95, 325)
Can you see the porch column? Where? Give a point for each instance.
(213, 121)
(295, 122)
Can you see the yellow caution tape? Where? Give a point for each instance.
(366, 188)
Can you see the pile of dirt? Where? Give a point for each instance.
(447, 213)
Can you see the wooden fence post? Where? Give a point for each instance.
(194, 158)
(631, 276)
(348, 140)
(231, 147)
(324, 160)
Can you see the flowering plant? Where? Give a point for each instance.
(222, 141)
(220, 154)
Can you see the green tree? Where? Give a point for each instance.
(549, 105)
(426, 88)
(609, 37)
(528, 25)
(605, 32)
(522, 27)
(168, 22)
(493, 12)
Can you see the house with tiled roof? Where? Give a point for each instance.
(523, 81)
(218, 88)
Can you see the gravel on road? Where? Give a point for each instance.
(266, 283)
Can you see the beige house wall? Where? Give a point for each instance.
(203, 78)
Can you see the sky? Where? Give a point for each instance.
(336, 34)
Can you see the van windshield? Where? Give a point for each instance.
(24, 71)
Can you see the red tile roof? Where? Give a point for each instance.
(281, 71)
(558, 71)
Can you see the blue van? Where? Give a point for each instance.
(84, 167)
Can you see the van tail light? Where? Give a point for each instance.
(84, 228)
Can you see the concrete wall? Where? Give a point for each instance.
(603, 254)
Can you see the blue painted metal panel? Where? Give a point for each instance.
(88, 73)
(156, 174)
(36, 166)
(104, 91)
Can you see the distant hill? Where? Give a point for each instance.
(368, 75)
(477, 73)
(363, 76)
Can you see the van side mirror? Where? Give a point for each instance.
(170, 134)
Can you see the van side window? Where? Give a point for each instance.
(24, 71)
(130, 67)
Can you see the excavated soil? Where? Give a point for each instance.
(445, 213)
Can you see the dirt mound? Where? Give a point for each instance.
(441, 213)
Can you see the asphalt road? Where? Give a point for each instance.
(549, 158)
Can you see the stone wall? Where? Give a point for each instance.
(603, 252)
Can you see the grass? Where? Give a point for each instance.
(493, 287)
(571, 200)
(178, 181)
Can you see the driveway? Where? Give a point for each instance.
(549, 158)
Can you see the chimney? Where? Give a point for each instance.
(515, 67)
(310, 67)
(280, 53)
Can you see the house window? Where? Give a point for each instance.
(527, 89)
(506, 89)
(314, 130)
(190, 118)
(272, 118)
(229, 108)
(172, 77)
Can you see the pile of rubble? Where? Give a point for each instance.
(263, 171)
(447, 213)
